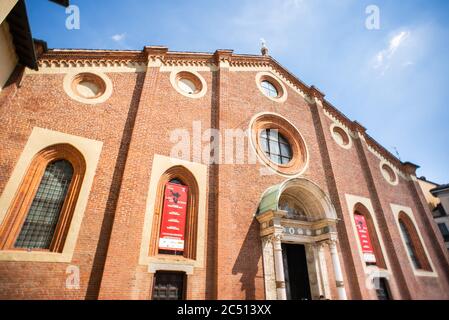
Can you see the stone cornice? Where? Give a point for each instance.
(159, 56)
(90, 58)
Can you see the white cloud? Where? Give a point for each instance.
(118, 37)
(384, 57)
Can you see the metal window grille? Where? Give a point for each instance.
(43, 215)
(275, 146)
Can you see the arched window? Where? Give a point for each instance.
(368, 238)
(176, 214)
(40, 224)
(40, 214)
(412, 243)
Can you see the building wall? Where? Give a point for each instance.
(426, 186)
(444, 198)
(136, 123)
(5, 8)
(8, 57)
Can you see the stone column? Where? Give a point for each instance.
(337, 270)
(322, 267)
(279, 268)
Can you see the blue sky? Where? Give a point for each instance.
(393, 80)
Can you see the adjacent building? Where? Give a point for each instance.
(440, 213)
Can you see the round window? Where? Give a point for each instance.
(269, 89)
(88, 89)
(341, 136)
(389, 174)
(276, 146)
(187, 86)
(88, 85)
(189, 83)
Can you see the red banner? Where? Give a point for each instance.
(173, 218)
(365, 240)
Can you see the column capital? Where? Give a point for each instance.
(332, 243)
(276, 237)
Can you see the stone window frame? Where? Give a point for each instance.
(276, 82)
(20, 206)
(173, 262)
(384, 168)
(406, 215)
(41, 139)
(300, 153)
(361, 209)
(370, 270)
(196, 78)
(104, 83)
(335, 126)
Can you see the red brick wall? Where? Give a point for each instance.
(134, 124)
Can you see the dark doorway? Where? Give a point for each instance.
(169, 285)
(382, 289)
(296, 273)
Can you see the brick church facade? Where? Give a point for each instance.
(283, 196)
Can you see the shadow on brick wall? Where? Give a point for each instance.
(247, 261)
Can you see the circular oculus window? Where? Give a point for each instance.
(341, 137)
(389, 174)
(271, 87)
(189, 83)
(279, 144)
(88, 87)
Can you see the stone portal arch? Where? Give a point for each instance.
(298, 211)
(316, 203)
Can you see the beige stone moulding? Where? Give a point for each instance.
(300, 160)
(193, 76)
(388, 173)
(397, 209)
(73, 78)
(40, 139)
(276, 82)
(173, 263)
(383, 160)
(341, 135)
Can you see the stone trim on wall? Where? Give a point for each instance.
(59, 61)
(39, 140)
(199, 171)
(68, 85)
(397, 209)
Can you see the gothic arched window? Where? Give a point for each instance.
(40, 215)
(412, 243)
(40, 224)
(368, 237)
(176, 214)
